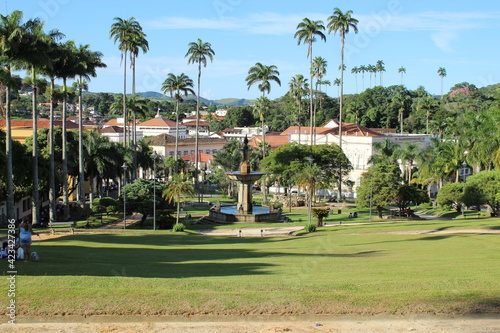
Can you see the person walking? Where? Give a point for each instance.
(25, 232)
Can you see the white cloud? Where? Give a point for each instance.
(266, 23)
(430, 21)
(443, 39)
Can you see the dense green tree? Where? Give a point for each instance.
(409, 194)
(483, 188)
(379, 186)
(140, 198)
(451, 195)
(292, 157)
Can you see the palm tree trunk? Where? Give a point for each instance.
(340, 106)
(196, 185)
(52, 175)
(8, 152)
(176, 162)
(35, 209)
(124, 99)
(81, 172)
(311, 102)
(134, 129)
(65, 156)
(178, 211)
(298, 116)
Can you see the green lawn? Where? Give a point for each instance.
(341, 269)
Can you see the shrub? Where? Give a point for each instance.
(178, 227)
(310, 228)
(320, 214)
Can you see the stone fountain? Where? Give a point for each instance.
(245, 211)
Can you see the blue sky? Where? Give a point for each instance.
(420, 35)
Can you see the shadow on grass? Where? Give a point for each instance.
(160, 256)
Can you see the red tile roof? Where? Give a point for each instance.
(159, 122)
(112, 129)
(41, 123)
(273, 139)
(202, 158)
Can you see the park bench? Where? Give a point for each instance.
(62, 225)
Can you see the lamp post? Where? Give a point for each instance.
(124, 166)
(154, 155)
(371, 195)
(310, 159)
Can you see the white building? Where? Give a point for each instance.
(357, 143)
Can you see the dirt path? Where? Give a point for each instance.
(261, 324)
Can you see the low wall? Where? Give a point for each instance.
(243, 218)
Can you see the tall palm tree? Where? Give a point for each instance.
(12, 33)
(380, 68)
(99, 156)
(36, 59)
(311, 177)
(261, 108)
(408, 153)
(298, 86)
(177, 85)
(87, 63)
(370, 69)
(198, 52)
(385, 152)
(336, 82)
(355, 71)
(138, 43)
(68, 68)
(442, 73)
(402, 70)
(263, 75)
(176, 189)
(319, 71)
(306, 33)
(363, 70)
(342, 23)
(127, 33)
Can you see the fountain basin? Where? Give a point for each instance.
(245, 177)
(229, 214)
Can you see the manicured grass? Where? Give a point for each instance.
(331, 271)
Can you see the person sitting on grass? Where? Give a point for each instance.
(355, 214)
(350, 215)
(25, 232)
(5, 250)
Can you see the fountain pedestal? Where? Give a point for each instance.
(244, 211)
